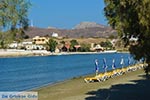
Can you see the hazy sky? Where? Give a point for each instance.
(66, 13)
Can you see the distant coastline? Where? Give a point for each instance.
(26, 53)
(19, 53)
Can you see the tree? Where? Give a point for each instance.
(52, 45)
(85, 48)
(73, 43)
(106, 44)
(62, 42)
(14, 17)
(112, 36)
(131, 18)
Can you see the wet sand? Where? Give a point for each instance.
(126, 87)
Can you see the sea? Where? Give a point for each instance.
(27, 73)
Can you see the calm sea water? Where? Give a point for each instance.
(25, 73)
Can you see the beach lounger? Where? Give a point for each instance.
(108, 74)
(114, 74)
(91, 79)
(123, 71)
(101, 77)
(118, 71)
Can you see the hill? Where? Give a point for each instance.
(84, 29)
(84, 25)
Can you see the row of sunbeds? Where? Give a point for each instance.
(114, 73)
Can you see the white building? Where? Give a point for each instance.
(54, 34)
(13, 45)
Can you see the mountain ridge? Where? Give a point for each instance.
(83, 25)
(83, 29)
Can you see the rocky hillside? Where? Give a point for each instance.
(84, 25)
(84, 29)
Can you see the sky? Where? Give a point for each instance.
(65, 14)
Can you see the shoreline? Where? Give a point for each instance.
(26, 53)
(77, 89)
(22, 53)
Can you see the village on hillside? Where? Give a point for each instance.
(59, 44)
(85, 37)
(65, 44)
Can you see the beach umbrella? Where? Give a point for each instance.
(122, 62)
(133, 61)
(142, 60)
(129, 60)
(105, 65)
(96, 67)
(113, 64)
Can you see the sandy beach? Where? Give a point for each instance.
(130, 86)
(18, 53)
